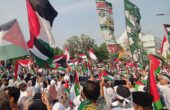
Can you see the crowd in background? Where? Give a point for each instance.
(57, 91)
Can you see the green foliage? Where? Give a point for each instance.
(168, 56)
(102, 52)
(58, 51)
(80, 44)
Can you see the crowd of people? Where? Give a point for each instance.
(56, 91)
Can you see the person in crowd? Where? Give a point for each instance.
(52, 91)
(14, 94)
(23, 91)
(90, 93)
(164, 88)
(31, 91)
(5, 82)
(123, 99)
(142, 100)
(4, 101)
(61, 104)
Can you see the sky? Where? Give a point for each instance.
(78, 17)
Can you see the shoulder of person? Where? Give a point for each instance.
(91, 106)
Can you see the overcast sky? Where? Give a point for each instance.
(78, 17)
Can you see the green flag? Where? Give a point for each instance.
(132, 18)
(144, 59)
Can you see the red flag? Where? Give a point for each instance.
(92, 55)
(154, 64)
(165, 46)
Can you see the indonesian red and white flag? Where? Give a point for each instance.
(92, 55)
(67, 54)
(165, 46)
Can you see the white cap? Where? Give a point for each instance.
(58, 106)
(52, 82)
(66, 78)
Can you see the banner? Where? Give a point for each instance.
(132, 18)
(104, 10)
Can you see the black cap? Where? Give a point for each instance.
(143, 99)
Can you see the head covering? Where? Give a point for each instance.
(66, 78)
(37, 105)
(33, 90)
(58, 106)
(52, 82)
(143, 99)
(123, 93)
(11, 82)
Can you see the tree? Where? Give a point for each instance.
(102, 53)
(58, 51)
(77, 45)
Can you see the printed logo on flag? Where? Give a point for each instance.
(112, 48)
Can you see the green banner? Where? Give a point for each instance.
(132, 18)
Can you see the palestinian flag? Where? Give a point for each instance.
(154, 64)
(138, 86)
(76, 84)
(25, 63)
(41, 44)
(165, 46)
(66, 87)
(167, 29)
(84, 67)
(12, 42)
(61, 69)
(103, 74)
(60, 60)
(92, 55)
(19, 64)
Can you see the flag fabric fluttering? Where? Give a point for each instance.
(12, 41)
(84, 67)
(153, 90)
(41, 15)
(103, 74)
(104, 10)
(165, 46)
(143, 57)
(67, 54)
(66, 87)
(19, 64)
(132, 18)
(92, 55)
(60, 60)
(76, 84)
(83, 56)
(167, 29)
